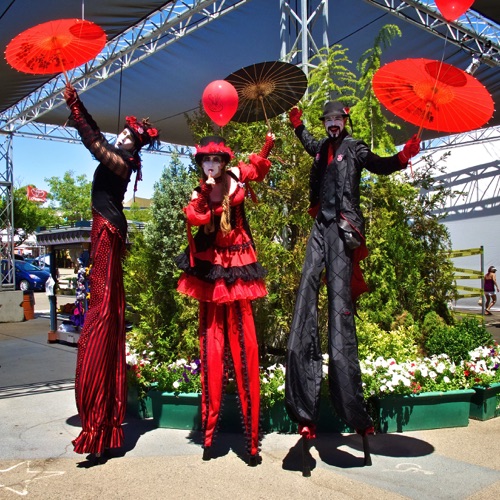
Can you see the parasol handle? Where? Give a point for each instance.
(62, 67)
(261, 99)
(427, 106)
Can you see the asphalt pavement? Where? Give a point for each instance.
(38, 420)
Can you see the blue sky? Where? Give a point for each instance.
(34, 160)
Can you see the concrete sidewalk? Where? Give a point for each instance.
(38, 420)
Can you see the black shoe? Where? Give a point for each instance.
(96, 459)
(206, 454)
(254, 460)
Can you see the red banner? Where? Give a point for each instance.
(35, 194)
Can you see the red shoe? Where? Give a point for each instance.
(307, 431)
(366, 432)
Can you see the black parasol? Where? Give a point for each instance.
(267, 89)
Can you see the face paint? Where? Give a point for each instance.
(212, 165)
(125, 140)
(334, 125)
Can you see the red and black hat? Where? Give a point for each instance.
(334, 108)
(144, 133)
(213, 145)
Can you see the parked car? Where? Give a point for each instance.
(42, 262)
(28, 276)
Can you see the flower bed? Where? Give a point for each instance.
(383, 380)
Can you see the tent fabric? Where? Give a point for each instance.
(170, 83)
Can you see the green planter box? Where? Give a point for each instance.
(276, 419)
(138, 407)
(485, 402)
(428, 410)
(176, 411)
(183, 411)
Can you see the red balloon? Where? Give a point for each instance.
(453, 9)
(220, 101)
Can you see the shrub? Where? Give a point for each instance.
(375, 342)
(456, 341)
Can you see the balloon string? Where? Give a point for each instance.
(428, 104)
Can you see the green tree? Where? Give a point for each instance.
(71, 196)
(28, 215)
(166, 321)
(137, 214)
(371, 124)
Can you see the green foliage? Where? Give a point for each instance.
(408, 268)
(456, 341)
(272, 385)
(398, 343)
(71, 196)
(137, 214)
(164, 321)
(371, 124)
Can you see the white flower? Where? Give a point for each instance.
(440, 368)
(176, 384)
(281, 388)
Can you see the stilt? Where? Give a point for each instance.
(366, 449)
(306, 466)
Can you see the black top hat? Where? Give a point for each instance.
(334, 108)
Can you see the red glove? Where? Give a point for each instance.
(268, 145)
(201, 203)
(70, 95)
(411, 148)
(295, 117)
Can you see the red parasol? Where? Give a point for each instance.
(433, 95)
(55, 46)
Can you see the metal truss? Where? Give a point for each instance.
(56, 133)
(471, 32)
(479, 136)
(480, 192)
(296, 31)
(7, 274)
(163, 27)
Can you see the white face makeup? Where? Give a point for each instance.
(212, 165)
(125, 140)
(334, 124)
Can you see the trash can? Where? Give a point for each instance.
(29, 304)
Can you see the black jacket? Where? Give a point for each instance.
(335, 187)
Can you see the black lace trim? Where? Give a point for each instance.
(210, 273)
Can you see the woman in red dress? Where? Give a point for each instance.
(221, 271)
(100, 384)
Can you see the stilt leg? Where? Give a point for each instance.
(306, 467)
(366, 449)
(307, 432)
(366, 445)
